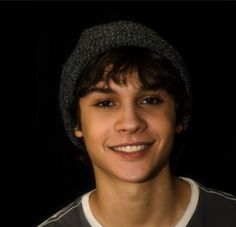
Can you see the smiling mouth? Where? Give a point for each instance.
(130, 148)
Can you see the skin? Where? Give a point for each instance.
(139, 186)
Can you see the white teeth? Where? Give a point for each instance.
(130, 149)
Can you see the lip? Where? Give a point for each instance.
(131, 155)
(131, 144)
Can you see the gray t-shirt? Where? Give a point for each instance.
(207, 208)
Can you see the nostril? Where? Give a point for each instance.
(131, 126)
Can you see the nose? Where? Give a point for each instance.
(130, 120)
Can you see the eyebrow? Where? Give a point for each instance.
(107, 90)
(102, 90)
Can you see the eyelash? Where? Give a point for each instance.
(104, 104)
(152, 100)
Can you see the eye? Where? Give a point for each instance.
(152, 100)
(105, 104)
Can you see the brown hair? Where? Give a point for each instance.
(154, 72)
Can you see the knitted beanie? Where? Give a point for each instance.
(99, 39)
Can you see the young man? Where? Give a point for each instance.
(125, 97)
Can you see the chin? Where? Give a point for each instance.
(144, 175)
(134, 176)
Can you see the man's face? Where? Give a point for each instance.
(128, 131)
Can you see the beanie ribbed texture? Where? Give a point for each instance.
(100, 38)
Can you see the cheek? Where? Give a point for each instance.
(163, 125)
(95, 127)
(168, 129)
(164, 129)
(163, 119)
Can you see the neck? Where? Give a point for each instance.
(156, 202)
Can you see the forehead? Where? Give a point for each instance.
(109, 75)
(124, 79)
(132, 86)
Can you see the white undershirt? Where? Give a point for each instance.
(182, 222)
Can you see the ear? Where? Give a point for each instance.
(179, 128)
(78, 132)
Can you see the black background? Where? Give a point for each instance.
(205, 36)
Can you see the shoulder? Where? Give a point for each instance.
(67, 216)
(216, 198)
(218, 208)
(212, 207)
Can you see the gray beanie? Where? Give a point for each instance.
(98, 39)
